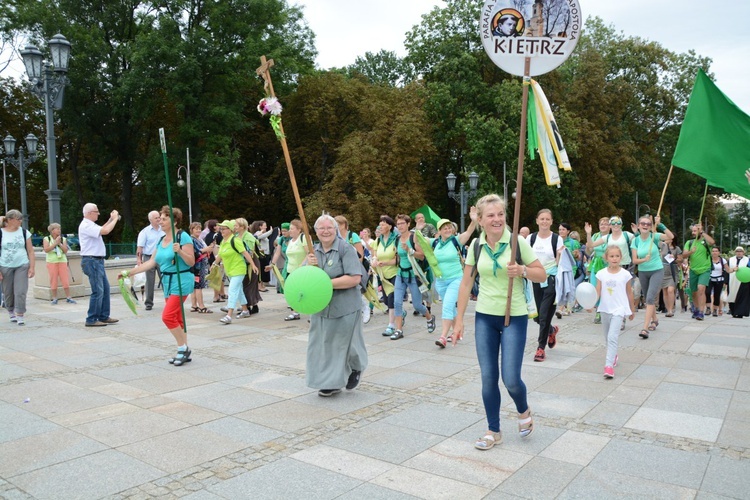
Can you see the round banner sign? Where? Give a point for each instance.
(545, 31)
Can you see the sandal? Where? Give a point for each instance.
(431, 324)
(204, 310)
(442, 341)
(525, 423)
(654, 323)
(670, 314)
(194, 309)
(643, 334)
(218, 300)
(489, 440)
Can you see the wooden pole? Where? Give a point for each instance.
(264, 71)
(519, 180)
(703, 204)
(664, 191)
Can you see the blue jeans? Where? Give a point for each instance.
(400, 291)
(500, 350)
(99, 300)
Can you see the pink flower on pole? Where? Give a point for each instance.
(269, 105)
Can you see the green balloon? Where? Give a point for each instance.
(743, 275)
(308, 290)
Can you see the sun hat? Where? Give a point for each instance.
(228, 224)
(739, 249)
(442, 222)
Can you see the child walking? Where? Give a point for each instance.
(615, 299)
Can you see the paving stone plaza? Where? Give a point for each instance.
(99, 413)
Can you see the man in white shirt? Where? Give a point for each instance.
(92, 263)
(147, 241)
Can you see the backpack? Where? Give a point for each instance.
(196, 254)
(25, 233)
(459, 248)
(244, 244)
(365, 275)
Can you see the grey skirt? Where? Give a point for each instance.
(335, 347)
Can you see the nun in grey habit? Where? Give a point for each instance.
(336, 352)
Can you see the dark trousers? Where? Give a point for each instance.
(714, 287)
(545, 306)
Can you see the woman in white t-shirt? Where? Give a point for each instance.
(16, 265)
(544, 293)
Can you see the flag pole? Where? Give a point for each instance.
(519, 180)
(664, 191)
(705, 192)
(264, 71)
(163, 143)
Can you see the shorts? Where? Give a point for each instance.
(699, 279)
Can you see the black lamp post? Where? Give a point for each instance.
(48, 79)
(462, 197)
(21, 163)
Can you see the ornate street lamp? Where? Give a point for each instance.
(462, 196)
(23, 161)
(48, 79)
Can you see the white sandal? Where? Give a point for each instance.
(489, 440)
(525, 423)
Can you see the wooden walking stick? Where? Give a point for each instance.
(519, 181)
(264, 71)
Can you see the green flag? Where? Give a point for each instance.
(430, 216)
(714, 139)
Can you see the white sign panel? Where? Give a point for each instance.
(545, 31)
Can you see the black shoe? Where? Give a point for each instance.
(254, 309)
(149, 307)
(353, 380)
(327, 393)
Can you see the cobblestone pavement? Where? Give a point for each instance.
(99, 413)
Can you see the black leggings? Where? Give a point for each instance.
(545, 306)
(715, 287)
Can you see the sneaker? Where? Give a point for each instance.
(715, 314)
(441, 342)
(431, 324)
(552, 338)
(388, 331)
(224, 309)
(244, 314)
(54, 302)
(70, 301)
(699, 316)
(398, 334)
(327, 393)
(13, 318)
(227, 320)
(539, 356)
(609, 372)
(353, 380)
(598, 319)
(20, 321)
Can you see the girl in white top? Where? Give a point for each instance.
(615, 299)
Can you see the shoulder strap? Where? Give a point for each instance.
(477, 254)
(532, 239)
(555, 239)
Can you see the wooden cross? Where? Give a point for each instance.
(264, 71)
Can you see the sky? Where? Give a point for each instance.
(346, 29)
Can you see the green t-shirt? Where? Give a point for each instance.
(700, 260)
(643, 247)
(493, 290)
(234, 263)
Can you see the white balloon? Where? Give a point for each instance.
(586, 295)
